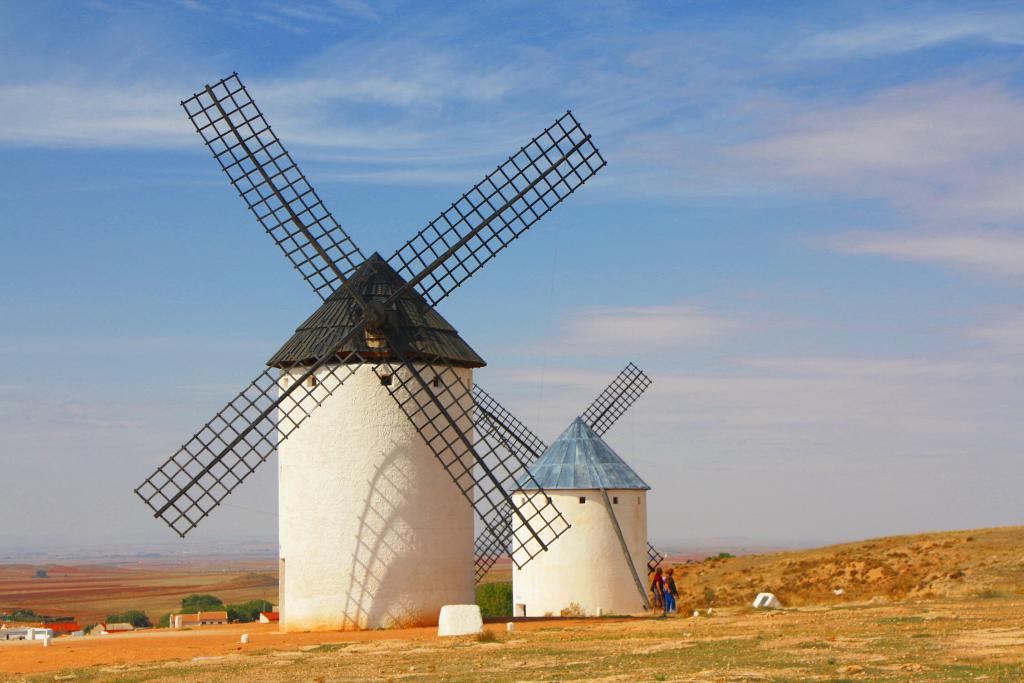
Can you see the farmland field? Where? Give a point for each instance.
(89, 592)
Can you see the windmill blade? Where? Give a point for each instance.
(238, 439)
(493, 423)
(492, 418)
(617, 397)
(498, 209)
(654, 558)
(441, 411)
(272, 185)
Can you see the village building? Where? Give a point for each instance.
(585, 572)
(102, 629)
(64, 628)
(198, 619)
(269, 617)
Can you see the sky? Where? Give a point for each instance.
(810, 233)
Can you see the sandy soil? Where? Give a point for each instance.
(212, 641)
(929, 640)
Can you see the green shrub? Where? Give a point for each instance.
(165, 620)
(201, 603)
(719, 556)
(134, 617)
(495, 599)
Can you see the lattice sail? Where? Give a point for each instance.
(272, 185)
(217, 459)
(441, 407)
(498, 209)
(496, 427)
(617, 397)
(654, 558)
(228, 449)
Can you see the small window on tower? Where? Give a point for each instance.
(285, 381)
(549, 500)
(385, 380)
(311, 381)
(437, 381)
(583, 499)
(615, 500)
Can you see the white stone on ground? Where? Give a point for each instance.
(460, 620)
(510, 626)
(767, 600)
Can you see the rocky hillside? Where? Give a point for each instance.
(979, 563)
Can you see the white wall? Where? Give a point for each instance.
(373, 532)
(585, 565)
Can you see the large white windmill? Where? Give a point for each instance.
(378, 487)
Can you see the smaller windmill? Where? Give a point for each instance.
(598, 562)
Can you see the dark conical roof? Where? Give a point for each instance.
(420, 330)
(580, 459)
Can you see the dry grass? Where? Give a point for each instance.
(929, 640)
(981, 563)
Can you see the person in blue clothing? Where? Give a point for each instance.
(670, 592)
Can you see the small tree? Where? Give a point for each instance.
(165, 620)
(201, 603)
(135, 617)
(248, 611)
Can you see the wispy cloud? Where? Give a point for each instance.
(604, 331)
(949, 151)
(1006, 335)
(913, 32)
(71, 115)
(990, 253)
(891, 368)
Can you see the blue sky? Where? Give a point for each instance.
(809, 233)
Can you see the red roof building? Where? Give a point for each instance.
(62, 627)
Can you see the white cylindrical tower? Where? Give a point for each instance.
(584, 571)
(373, 532)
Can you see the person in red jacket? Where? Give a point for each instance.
(657, 588)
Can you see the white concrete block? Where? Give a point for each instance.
(510, 626)
(460, 620)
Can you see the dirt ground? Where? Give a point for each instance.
(924, 640)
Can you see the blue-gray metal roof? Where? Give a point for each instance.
(580, 459)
